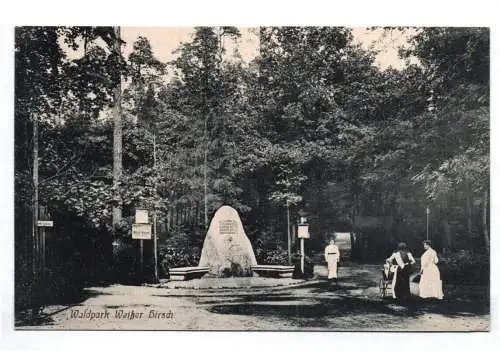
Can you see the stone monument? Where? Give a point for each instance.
(227, 251)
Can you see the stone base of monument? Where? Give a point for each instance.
(188, 273)
(230, 283)
(273, 270)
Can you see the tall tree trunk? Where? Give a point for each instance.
(195, 173)
(34, 288)
(167, 216)
(171, 219)
(85, 42)
(155, 228)
(174, 216)
(117, 135)
(193, 213)
(448, 243)
(205, 156)
(469, 213)
(468, 206)
(177, 215)
(485, 221)
(197, 213)
(205, 171)
(180, 210)
(354, 212)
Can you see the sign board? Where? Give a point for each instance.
(141, 216)
(228, 227)
(303, 231)
(141, 231)
(45, 223)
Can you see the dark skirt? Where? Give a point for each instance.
(402, 286)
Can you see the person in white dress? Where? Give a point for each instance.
(430, 285)
(332, 257)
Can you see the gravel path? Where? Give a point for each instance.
(351, 305)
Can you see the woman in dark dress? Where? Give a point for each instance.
(403, 259)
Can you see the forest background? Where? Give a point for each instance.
(310, 125)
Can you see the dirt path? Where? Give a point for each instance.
(354, 304)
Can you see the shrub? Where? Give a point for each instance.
(278, 256)
(180, 248)
(464, 267)
(170, 257)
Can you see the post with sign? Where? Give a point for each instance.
(42, 225)
(141, 230)
(302, 233)
(39, 280)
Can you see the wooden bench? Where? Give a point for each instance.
(281, 271)
(188, 273)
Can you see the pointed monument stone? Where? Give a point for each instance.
(227, 251)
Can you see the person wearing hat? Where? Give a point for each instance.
(402, 259)
(430, 285)
(332, 257)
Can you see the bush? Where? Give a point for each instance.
(180, 248)
(170, 257)
(308, 267)
(464, 267)
(278, 256)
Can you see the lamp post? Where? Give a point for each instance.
(427, 212)
(289, 243)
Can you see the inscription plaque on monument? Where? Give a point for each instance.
(228, 227)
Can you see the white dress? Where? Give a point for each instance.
(430, 285)
(332, 257)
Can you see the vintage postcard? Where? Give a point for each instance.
(252, 179)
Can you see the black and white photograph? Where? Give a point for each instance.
(266, 178)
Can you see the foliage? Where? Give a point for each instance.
(433, 150)
(278, 256)
(465, 267)
(310, 124)
(177, 257)
(183, 248)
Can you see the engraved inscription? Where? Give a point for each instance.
(228, 227)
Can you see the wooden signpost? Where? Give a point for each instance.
(302, 233)
(42, 225)
(39, 259)
(141, 230)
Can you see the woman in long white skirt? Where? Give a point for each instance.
(430, 285)
(332, 257)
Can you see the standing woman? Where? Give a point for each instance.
(430, 285)
(403, 259)
(332, 257)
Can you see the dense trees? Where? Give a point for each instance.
(310, 123)
(436, 152)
